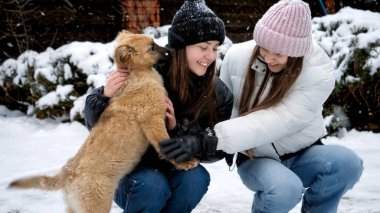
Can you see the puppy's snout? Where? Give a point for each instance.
(167, 52)
(164, 52)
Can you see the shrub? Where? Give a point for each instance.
(354, 46)
(54, 83)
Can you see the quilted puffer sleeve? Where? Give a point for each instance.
(94, 106)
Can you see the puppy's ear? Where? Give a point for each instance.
(123, 54)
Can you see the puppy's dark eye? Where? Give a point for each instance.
(153, 47)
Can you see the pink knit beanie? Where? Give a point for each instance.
(285, 28)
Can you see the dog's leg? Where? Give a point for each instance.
(155, 131)
(249, 153)
(186, 165)
(69, 208)
(97, 201)
(91, 194)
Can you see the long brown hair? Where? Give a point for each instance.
(195, 104)
(281, 84)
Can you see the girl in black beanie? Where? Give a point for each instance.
(198, 100)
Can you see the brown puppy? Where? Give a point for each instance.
(134, 118)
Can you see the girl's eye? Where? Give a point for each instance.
(203, 48)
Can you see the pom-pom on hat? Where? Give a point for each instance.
(285, 28)
(194, 22)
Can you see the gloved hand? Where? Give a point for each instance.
(186, 147)
(229, 158)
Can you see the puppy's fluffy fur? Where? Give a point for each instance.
(134, 118)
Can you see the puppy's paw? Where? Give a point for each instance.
(186, 165)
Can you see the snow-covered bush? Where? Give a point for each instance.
(337, 123)
(352, 39)
(55, 83)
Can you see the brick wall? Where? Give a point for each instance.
(139, 14)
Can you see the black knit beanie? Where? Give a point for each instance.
(194, 22)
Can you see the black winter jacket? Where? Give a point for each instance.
(96, 102)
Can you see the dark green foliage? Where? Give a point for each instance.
(25, 93)
(38, 24)
(359, 98)
(355, 50)
(338, 121)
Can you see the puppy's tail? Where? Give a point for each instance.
(46, 183)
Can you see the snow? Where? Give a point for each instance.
(56, 96)
(29, 146)
(341, 33)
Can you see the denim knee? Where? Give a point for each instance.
(349, 166)
(280, 197)
(340, 169)
(186, 180)
(134, 189)
(188, 188)
(277, 188)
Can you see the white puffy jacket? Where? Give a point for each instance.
(293, 124)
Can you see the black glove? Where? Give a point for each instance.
(229, 158)
(184, 127)
(184, 148)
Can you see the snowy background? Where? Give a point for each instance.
(29, 146)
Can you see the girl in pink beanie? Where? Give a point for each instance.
(280, 80)
(279, 88)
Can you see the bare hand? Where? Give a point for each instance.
(115, 81)
(171, 121)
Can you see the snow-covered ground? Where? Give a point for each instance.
(29, 146)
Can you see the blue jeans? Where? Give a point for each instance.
(322, 174)
(149, 190)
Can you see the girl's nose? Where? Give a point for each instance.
(268, 58)
(210, 55)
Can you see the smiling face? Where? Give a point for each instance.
(200, 55)
(275, 62)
